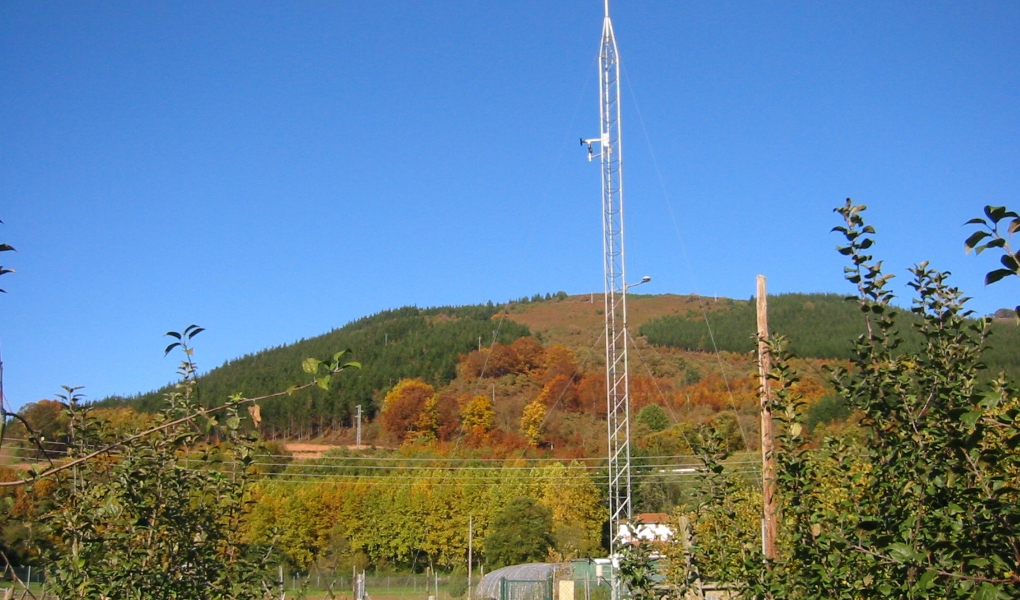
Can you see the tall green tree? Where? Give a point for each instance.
(521, 533)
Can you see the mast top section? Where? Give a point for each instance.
(607, 9)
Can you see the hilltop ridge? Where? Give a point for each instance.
(464, 352)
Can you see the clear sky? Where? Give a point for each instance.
(272, 170)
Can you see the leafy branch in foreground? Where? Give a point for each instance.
(5, 248)
(154, 520)
(991, 227)
(926, 505)
(159, 513)
(638, 572)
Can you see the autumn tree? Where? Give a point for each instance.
(426, 428)
(559, 360)
(533, 421)
(403, 405)
(504, 360)
(120, 421)
(577, 510)
(470, 365)
(591, 390)
(478, 416)
(449, 417)
(560, 391)
(530, 351)
(44, 425)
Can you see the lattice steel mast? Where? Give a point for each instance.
(617, 380)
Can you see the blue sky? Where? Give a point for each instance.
(274, 170)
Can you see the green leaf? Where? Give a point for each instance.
(976, 221)
(171, 347)
(995, 212)
(989, 591)
(901, 552)
(173, 334)
(973, 240)
(971, 418)
(311, 365)
(926, 580)
(323, 382)
(996, 275)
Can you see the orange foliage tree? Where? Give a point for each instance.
(503, 360)
(591, 391)
(530, 351)
(403, 405)
(561, 392)
(559, 360)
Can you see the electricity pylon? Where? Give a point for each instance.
(617, 368)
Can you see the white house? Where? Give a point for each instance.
(646, 526)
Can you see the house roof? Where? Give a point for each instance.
(652, 518)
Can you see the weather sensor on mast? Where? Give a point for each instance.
(617, 368)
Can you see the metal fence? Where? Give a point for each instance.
(525, 589)
(418, 584)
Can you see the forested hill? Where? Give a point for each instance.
(430, 343)
(394, 344)
(817, 326)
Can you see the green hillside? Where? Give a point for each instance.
(817, 325)
(394, 344)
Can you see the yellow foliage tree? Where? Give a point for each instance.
(576, 505)
(478, 415)
(426, 428)
(533, 421)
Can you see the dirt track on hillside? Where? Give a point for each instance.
(309, 451)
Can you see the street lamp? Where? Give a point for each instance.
(644, 279)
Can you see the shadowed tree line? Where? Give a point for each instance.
(392, 345)
(817, 325)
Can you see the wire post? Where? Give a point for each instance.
(357, 435)
(768, 458)
(617, 367)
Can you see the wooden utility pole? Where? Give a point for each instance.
(770, 528)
